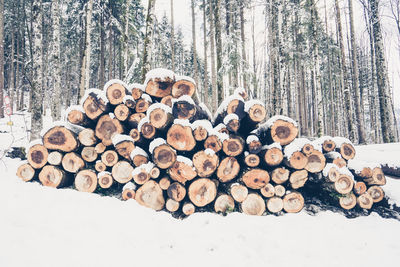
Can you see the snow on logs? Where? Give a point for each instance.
(156, 144)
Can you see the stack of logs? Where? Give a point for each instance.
(154, 143)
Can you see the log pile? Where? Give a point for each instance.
(156, 144)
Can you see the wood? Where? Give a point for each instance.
(224, 204)
(77, 117)
(359, 188)
(94, 106)
(142, 176)
(344, 184)
(167, 100)
(253, 205)
(87, 137)
(86, 181)
(53, 176)
(72, 162)
(115, 93)
(273, 157)
(181, 172)
(252, 160)
(100, 166)
(279, 190)
(365, 172)
(335, 158)
(200, 134)
(202, 192)
(142, 105)
(315, 162)
(106, 127)
(233, 125)
(130, 103)
(128, 193)
(333, 175)
(280, 175)
(183, 87)
(155, 173)
(176, 191)
(377, 178)
(228, 169)
(256, 178)
(109, 158)
(122, 172)
(233, 146)
(255, 146)
(268, 190)
(181, 137)
(328, 146)
(164, 156)
(122, 112)
(125, 148)
(136, 93)
(205, 163)
(159, 88)
(105, 181)
(172, 205)
(37, 156)
(297, 161)
(164, 183)
(347, 151)
(148, 131)
(293, 202)
(365, 201)
(376, 192)
(348, 201)
(298, 179)
(89, 154)
(138, 160)
(135, 135)
(26, 172)
(159, 118)
(283, 132)
(275, 204)
(188, 209)
(257, 113)
(150, 195)
(135, 118)
(214, 143)
(54, 158)
(100, 148)
(238, 192)
(183, 110)
(60, 138)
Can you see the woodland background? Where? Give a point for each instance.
(324, 63)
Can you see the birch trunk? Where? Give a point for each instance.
(218, 38)
(243, 39)
(56, 72)
(213, 72)
(126, 45)
(196, 74)
(172, 36)
(148, 38)
(85, 67)
(205, 95)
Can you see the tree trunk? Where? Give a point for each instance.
(148, 38)
(205, 89)
(85, 67)
(196, 72)
(172, 37)
(56, 70)
(2, 57)
(218, 38)
(213, 71)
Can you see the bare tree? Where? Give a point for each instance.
(56, 72)
(206, 102)
(147, 39)
(172, 36)
(1, 57)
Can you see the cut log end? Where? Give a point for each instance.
(87, 137)
(315, 162)
(89, 154)
(109, 158)
(257, 113)
(116, 93)
(273, 156)
(279, 190)
(202, 192)
(164, 156)
(172, 205)
(344, 184)
(72, 162)
(94, 106)
(376, 192)
(181, 137)
(253, 205)
(128, 194)
(214, 143)
(60, 138)
(122, 112)
(122, 172)
(106, 127)
(239, 192)
(37, 156)
(26, 172)
(105, 181)
(159, 118)
(348, 201)
(224, 204)
(181, 172)
(54, 158)
(228, 169)
(183, 87)
(275, 204)
(252, 160)
(365, 201)
(100, 166)
(164, 183)
(148, 131)
(86, 181)
(347, 151)
(188, 209)
(268, 190)
(124, 149)
(200, 133)
(283, 132)
(328, 146)
(150, 195)
(233, 146)
(298, 179)
(205, 164)
(298, 160)
(256, 178)
(280, 175)
(359, 188)
(176, 191)
(293, 202)
(52, 176)
(159, 88)
(377, 178)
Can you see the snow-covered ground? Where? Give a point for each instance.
(42, 226)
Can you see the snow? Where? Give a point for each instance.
(111, 115)
(381, 153)
(185, 160)
(72, 127)
(156, 143)
(154, 106)
(224, 105)
(333, 155)
(147, 98)
(141, 122)
(103, 173)
(184, 98)
(74, 107)
(219, 127)
(136, 85)
(95, 93)
(322, 139)
(146, 167)
(221, 136)
(129, 186)
(119, 138)
(358, 165)
(296, 145)
(206, 109)
(209, 152)
(346, 171)
(138, 151)
(316, 145)
(327, 168)
(239, 90)
(230, 117)
(252, 138)
(273, 119)
(184, 123)
(250, 103)
(185, 78)
(273, 145)
(206, 124)
(128, 98)
(114, 81)
(339, 141)
(159, 74)
(33, 143)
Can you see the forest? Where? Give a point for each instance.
(310, 64)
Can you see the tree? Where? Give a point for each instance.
(205, 55)
(172, 36)
(213, 72)
(56, 72)
(1, 57)
(147, 39)
(196, 74)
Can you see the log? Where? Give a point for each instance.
(377, 178)
(87, 137)
(139, 157)
(172, 205)
(100, 166)
(109, 158)
(181, 137)
(54, 158)
(188, 208)
(332, 175)
(160, 117)
(273, 156)
(282, 131)
(275, 204)
(167, 100)
(280, 175)
(26, 172)
(315, 162)
(348, 201)
(254, 146)
(376, 192)
(125, 148)
(233, 146)
(359, 188)
(95, 105)
(134, 119)
(141, 174)
(164, 183)
(89, 154)
(365, 201)
(72, 162)
(202, 192)
(268, 190)
(143, 104)
(147, 130)
(115, 92)
(228, 169)
(130, 102)
(232, 123)
(293, 202)
(155, 173)
(60, 138)
(335, 158)
(238, 192)
(159, 88)
(86, 181)
(105, 180)
(252, 160)
(328, 146)
(255, 178)
(256, 111)
(137, 91)
(150, 195)
(122, 172)
(213, 142)
(224, 204)
(164, 156)
(136, 136)
(128, 193)
(77, 116)
(183, 109)
(347, 151)
(182, 172)
(37, 156)
(176, 191)
(298, 179)
(106, 127)
(100, 148)
(53, 176)
(253, 205)
(344, 184)
(279, 190)
(122, 112)
(297, 160)
(205, 162)
(200, 133)
(183, 87)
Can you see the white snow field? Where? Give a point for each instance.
(42, 226)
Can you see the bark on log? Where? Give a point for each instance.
(205, 163)
(293, 202)
(78, 117)
(72, 162)
(122, 172)
(37, 156)
(224, 204)
(26, 172)
(253, 205)
(150, 195)
(256, 178)
(106, 127)
(53, 176)
(60, 138)
(202, 192)
(181, 137)
(228, 169)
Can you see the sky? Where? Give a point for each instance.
(183, 20)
